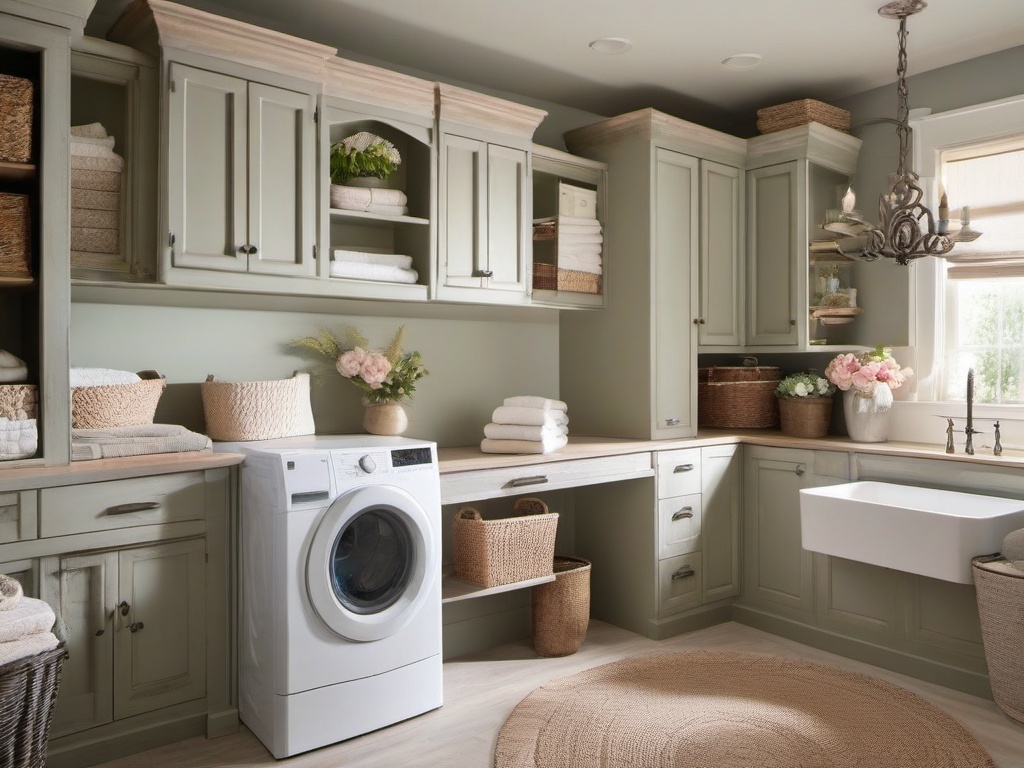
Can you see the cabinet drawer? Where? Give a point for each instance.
(18, 516)
(679, 525)
(121, 504)
(679, 583)
(678, 472)
(535, 478)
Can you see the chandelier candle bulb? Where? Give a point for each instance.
(943, 215)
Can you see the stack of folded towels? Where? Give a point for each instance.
(527, 424)
(387, 202)
(579, 244)
(25, 624)
(361, 265)
(19, 434)
(95, 194)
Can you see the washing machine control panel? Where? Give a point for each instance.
(367, 464)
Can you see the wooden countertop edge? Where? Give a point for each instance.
(472, 459)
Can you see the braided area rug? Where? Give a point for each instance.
(725, 709)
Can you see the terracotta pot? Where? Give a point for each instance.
(385, 418)
(805, 416)
(864, 425)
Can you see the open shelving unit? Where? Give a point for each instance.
(454, 589)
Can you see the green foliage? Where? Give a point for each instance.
(805, 384)
(323, 342)
(400, 383)
(363, 154)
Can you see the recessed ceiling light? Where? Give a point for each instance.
(610, 46)
(742, 61)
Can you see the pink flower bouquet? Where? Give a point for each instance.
(871, 375)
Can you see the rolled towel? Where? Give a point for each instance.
(89, 131)
(487, 445)
(533, 401)
(12, 368)
(101, 377)
(523, 431)
(388, 197)
(28, 646)
(28, 617)
(362, 257)
(10, 593)
(380, 272)
(539, 417)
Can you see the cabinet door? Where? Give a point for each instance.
(82, 589)
(775, 219)
(282, 188)
(507, 203)
(206, 169)
(721, 272)
(160, 643)
(463, 213)
(674, 356)
(721, 493)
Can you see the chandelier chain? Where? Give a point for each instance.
(903, 96)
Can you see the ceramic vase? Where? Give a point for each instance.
(369, 182)
(385, 418)
(863, 424)
(805, 416)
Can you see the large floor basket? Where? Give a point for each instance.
(1000, 589)
(560, 609)
(28, 690)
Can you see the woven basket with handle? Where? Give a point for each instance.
(506, 550)
(738, 397)
(805, 416)
(117, 405)
(257, 410)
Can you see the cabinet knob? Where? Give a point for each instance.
(699, 321)
(792, 321)
(683, 514)
(799, 470)
(136, 626)
(683, 573)
(483, 273)
(124, 607)
(253, 250)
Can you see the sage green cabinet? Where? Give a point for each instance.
(720, 320)
(241, 173)
(721, 471)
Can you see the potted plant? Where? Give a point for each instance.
(805, 404)
(867, 381)
(363, 159)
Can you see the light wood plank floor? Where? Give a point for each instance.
(481, 690)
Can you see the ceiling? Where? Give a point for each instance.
(824, 49)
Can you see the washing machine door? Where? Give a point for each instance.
(372, 562)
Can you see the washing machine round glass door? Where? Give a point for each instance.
(372, 562)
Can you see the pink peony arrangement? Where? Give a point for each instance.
(864, 372)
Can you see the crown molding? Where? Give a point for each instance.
(372, 85)
(458, 105)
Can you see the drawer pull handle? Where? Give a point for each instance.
(483, 273)
(683, 468)
(683, 573)
(135, 626)
(532, 480)
(671, 422)
(124, 607)
(683, 514)
(127, 509)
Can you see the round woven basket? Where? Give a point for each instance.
(117, 405)
(257, 410)
(738, 397)
(28, 690)
(805, 416)
(1000, 590)
(561, 608)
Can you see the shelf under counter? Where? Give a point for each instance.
(454, 589)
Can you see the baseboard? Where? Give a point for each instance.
(221, 723)
(974, 683)
(119, 739)
(660, 629)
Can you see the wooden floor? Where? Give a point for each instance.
(481, 690)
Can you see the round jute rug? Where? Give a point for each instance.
(724, 709)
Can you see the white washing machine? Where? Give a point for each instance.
(340, 625)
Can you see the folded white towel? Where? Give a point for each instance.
(387, 210)
(388, 197)
(533, 401)
(362, 257)
(106, 142)
(577, 230)
(10, 593)
(28, 646)
(28, 617)
(381, 272)
(101, 377)
(578, 221)
(142, 440)
(523, 446)
(567, 238)
(579, 265)
(18, 438)
(97, 163)
(84, 149)
(12, 368)
(539, 417)
(523, 431)
(349, 198)
(89, 130)
(590, 251)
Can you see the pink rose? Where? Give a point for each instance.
(350, 363)
(840, 371)
(864, 378)
(375, 369)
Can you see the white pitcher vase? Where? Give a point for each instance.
(865, 423)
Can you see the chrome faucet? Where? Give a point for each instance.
(969, 429)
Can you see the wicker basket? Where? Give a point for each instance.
(117, 405)
(257, 410)
(794, 113)
(561, 608)
(19, 401)
(15, 119)
(1000, 590)
(738, 397)
(805, 416)
(28, 690)
(548, 277)
(495, 552)
(15, 236)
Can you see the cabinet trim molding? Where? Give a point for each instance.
(380, 87)
(465, 107)
(813, 142)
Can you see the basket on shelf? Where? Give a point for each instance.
(801, 112)
(738, 397)
(503, 551)
(18, 401)
(117, 405)
(1000, 592)
(257, 410)
(805, 416)
(15, 119)
(560, 609)
(28, 690)
(15, 236)
(548, 277)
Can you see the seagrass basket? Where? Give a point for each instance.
(15, 119)
(506, 550)
(15, 236)
(801, 112)
(18, 401)
(1000, 591)
(117, 405)
(738, 397)
(257, 410)
(560, 609)
(805, 416)
(548, 277)
(28, 690)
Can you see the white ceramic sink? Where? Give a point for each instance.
(919, 530)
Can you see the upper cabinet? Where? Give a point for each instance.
(721, 254)
(484, 198)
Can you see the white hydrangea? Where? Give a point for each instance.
(362, 141)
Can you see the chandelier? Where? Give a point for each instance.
(906, 228)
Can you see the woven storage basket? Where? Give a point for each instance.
(794, 113)
(28, 690)
(561, 608)
(734, 397)
(805, 416)
(257, 410)
(15, 119)
(504, 551)
(18, 401)
(1000, 591)
(15, 236)
(548, 277)
(117, 405)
